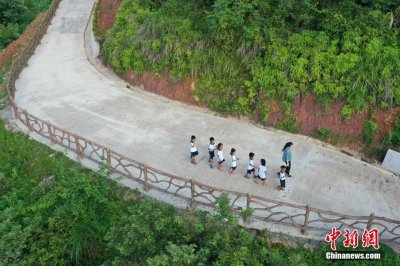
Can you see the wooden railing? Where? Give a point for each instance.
(290, 217)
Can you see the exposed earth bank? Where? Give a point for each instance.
(310, 114)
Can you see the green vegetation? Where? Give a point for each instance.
(97, 30)
(79, 217)
(3, 83)
(4, 73)
(327, 135)
(377, 150)
(247, 52)
(393, 137)
(16, 15)
(323, 133)
(370, 128)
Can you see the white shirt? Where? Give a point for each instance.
(250, 166)
(261, 171)
(193, 147)
(211, 147)
(282, 176)
(220, 155)
(234, 161)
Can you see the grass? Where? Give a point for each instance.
(327, 135)
(3, 83)
(3, 73)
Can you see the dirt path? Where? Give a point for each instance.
(62, 86)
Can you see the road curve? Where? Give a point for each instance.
(61, 85)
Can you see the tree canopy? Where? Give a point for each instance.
(16, 15)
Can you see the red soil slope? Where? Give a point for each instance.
(310, 114)
(108, 10)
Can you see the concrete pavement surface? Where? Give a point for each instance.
(62, 86)
(392, 161)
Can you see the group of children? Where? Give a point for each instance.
(260, 177)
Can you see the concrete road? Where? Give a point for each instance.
(62, 86)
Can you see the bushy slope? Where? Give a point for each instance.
(246, 52)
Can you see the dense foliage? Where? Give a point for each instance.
(78, 217)
(246, 52)
(393, 137)
(15, 15)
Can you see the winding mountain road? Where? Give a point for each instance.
(63, 83)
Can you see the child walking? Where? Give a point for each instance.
(262, 173)
(220, 155)
(250, 166)
(211, 149)
(282, 177)
(193, 150)
(234, 160)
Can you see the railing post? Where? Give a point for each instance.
(78, 147)
(15, 108)
(146, 178)
(193, 189)
(370, 220)
(17, 115)
(51, 135)
(248, 202)
(28, 124)
(304, 230)
(108, 151)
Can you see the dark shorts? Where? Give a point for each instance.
(262, 179)
(282, 183)
(251, 171)
(194, 154)
(220, 162)
(212, 154)
(234, 168)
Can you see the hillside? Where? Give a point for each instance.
(303, 66)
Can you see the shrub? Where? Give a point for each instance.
(370, 129)
(323, 133)
(16, 15)
(8, 33)
(393, 137)
(97, 30)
